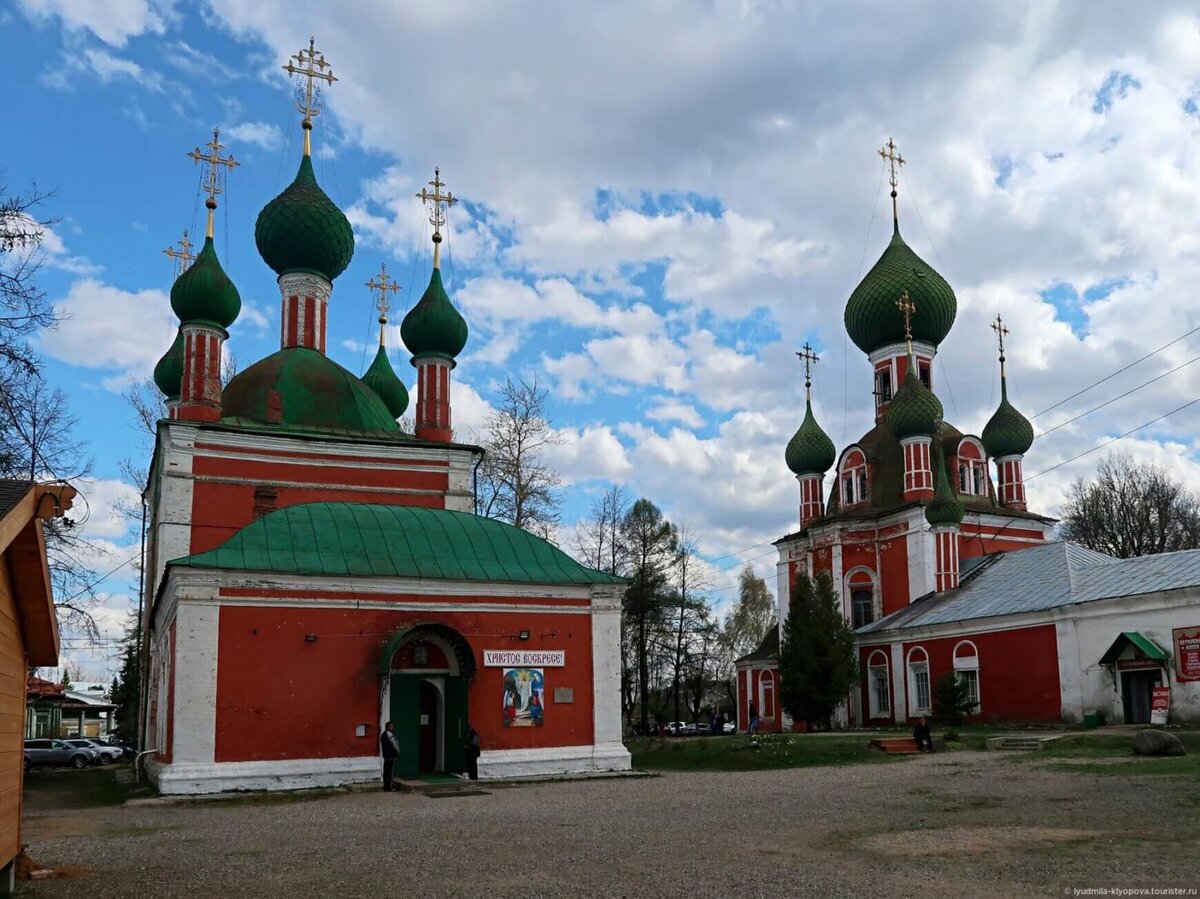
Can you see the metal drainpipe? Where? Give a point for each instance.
(475, 480)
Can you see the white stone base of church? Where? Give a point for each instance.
(502, 764)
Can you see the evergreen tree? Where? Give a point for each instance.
(126, 689)
(817, 661)
(952, 700)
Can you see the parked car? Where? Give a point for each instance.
(675, 728)
(108, 754)
(126, 750)
(58, 752)
(730, 727)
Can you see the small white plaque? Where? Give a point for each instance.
(524, 658)
(424, 719)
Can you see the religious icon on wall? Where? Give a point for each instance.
(524, 697)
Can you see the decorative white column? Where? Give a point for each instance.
(608, 752)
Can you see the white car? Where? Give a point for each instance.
(107, 754)
(730, 727)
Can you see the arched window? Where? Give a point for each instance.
(920, 697)
(966, 669)
(860, 586)
(854, 478)
(878, 688)
(972, 468)
(923, 372)
(883, 385)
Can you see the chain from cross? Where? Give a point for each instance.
(383, 284)
(310, 64)
(182, 258)
(891, 153)
(907, 308)
(437, 217)
(1001, 331)
(213, 182)
(810, 359)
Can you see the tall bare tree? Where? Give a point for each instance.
(649, 541)
(1131, 509)
(745, 626)
(23, 307)
(516, 482)
(599, 535)
(690, 611)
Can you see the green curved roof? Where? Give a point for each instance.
(433, 326)
(168, 373)
(915, 410)
(367, 540)
(810, 451)
(204, 292)
(872, 319)
(1008, 432)
(383, 380)
(945, 507)
(301, 230)
(300, 387)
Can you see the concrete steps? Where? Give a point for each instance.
(896, 745)
(1023, 743)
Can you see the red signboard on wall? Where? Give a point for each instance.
(1160, 705)
(1137, 664)
(1187, 653)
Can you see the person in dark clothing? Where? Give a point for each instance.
(753, 726)
(472, 753)
(923, 736)
(390, 750)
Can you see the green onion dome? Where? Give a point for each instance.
(302, 388)
(301, 230)
(872, 319)
(915, 410)
(168, 374)
(382, 379)
(1008, 432)
(944, 508)
(810, 451)
(433, 327)
(204, 292)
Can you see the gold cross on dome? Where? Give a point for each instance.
(437, 216)
(182, 258)
(891, 153)
(907, 308)
(310, 64)
(810, 359)
(383, 284)
(214, 181)
(1001, 331)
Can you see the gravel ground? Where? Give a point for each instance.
(963, 824)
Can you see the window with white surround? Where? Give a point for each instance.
(766, 696)
(919, 694)
(972, 468)
(878, 692)
(966, 669)
(860, 587)
(883, 385)
(853, 484)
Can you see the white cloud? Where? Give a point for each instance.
(107, 327)
(113, 21)
(261, 134)
(100, 508)
(674, 410)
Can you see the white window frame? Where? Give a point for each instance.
(854, 480)
(766, 688)
(875, 670)
(914, 695)
(967, 668)
(972, 473)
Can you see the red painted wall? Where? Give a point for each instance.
(280, 697)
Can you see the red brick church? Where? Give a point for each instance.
(315, 571)
(941, 567)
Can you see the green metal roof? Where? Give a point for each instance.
(168, 374)
(204, 292)
(1144, 644)
(810, 451)
(915, 410)
(433, 327)
(366, 540)
(301, 230)
(386, 384)
(1008, 432)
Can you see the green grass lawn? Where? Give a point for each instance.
(740, 753)
(1114, 755)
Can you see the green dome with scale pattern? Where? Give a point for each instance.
(301, 230)
(168, 374)
(872, 319)
(945, 508)
(810, 451)
(915, 410)
(204, 292)
(433, 327)
(1008, 432)
(382, 379)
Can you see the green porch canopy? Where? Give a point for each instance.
(1147, 647)
(369, 540)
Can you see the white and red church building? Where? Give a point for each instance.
(313, 571)
(940, 568)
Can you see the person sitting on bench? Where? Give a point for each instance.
(923, 736)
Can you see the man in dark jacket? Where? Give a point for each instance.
(390, 750)
(473, 749)
(923, 736)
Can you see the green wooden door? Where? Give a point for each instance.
(456, 724)
(406, 715)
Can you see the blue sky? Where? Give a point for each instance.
(660, 203)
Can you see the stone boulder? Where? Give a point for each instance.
(1157, 742)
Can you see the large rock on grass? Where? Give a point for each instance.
(1157, 742)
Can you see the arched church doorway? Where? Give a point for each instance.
(425, 673)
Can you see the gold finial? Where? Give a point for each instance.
(182, 258)
(891, 153)
(214, 182)
(810, 359)
(1001, 331)
(310, 64)
(384, 284)
(437, 217)
(907, 308)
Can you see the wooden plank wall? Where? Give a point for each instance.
(12, 720)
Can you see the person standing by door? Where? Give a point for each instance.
(753, 727)
(472, 753)
(390, 750)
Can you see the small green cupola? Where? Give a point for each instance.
(945, 509)
(301, 230)
(380, 376)
(810, 451)
(168, 373)
(915, 410)
(433, 327)
(1008, 432)
(204, 294)
(871, 317)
